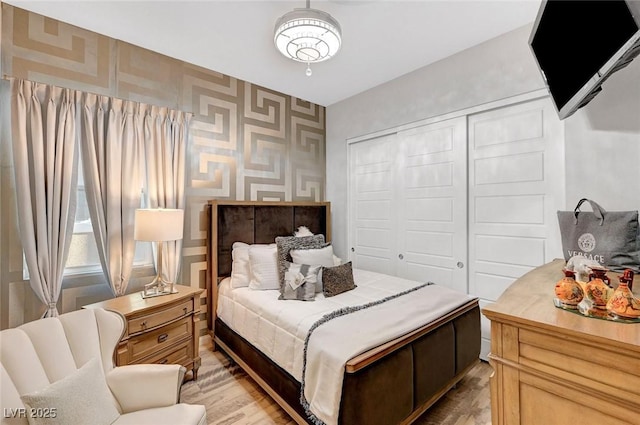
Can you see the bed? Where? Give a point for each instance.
(393, 382)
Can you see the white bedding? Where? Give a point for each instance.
(278, 328)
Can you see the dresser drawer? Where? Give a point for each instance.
(143, 345)
(181, 354)
(581, 364)
(152, 320)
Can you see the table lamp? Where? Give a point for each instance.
(158, 225)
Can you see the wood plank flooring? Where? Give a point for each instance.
(231, 397)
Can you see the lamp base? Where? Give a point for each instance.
(158, 288)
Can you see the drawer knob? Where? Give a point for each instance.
(185, 310)
(143, 324)
(162, 338)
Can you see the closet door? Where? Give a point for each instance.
(516, 185)
(432, 209)
(373, 204)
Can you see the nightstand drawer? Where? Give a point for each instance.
(143, 345)
(181, 354)
(159, 318)
(162, 329)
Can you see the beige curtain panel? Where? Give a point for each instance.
(43, 126)
(112, 146)
(120, 140)
(165, 141)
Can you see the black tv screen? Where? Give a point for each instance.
(578, 44)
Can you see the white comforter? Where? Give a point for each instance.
(279, 328)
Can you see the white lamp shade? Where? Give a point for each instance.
(158, 224)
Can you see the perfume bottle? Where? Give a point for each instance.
(598, 289)
(568, 292)
(622, 303)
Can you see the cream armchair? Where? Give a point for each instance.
(38, 354)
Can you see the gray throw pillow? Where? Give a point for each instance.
(299, 282)
(338, 279)
(287, 243)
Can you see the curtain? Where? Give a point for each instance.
(112, 146)
(117, 135)
(45, 158)
(165, 140)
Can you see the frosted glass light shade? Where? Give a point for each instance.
(158, 224)
(307, 35)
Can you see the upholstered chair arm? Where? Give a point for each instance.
(145, 386)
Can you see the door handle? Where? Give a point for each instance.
(460, 264)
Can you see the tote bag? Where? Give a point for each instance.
(608, 237)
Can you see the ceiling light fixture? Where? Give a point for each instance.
(307, 35)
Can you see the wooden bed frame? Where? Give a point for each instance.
(393, 383)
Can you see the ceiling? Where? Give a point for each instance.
(382, 39)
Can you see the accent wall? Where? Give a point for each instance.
(246, 142)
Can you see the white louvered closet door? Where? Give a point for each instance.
(516, 186)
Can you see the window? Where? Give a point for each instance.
(83, 252)
(83, 255)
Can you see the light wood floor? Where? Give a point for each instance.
(232, 397)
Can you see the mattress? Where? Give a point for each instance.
(278, 328)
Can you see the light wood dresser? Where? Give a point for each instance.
(555, 367)
(162, 329)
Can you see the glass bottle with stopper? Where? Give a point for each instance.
(568, 292)
(623, 303)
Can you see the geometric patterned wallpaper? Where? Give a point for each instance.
(246, 142)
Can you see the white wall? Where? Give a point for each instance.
(602, 145)
(602, 139)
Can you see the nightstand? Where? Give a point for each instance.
(160, 329)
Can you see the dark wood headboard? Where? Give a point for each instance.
(254, 222)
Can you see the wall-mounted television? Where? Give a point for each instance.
(579, 44)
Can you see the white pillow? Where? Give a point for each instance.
(78, 399)
(263, 263)
(314, 257)
(240, 270)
